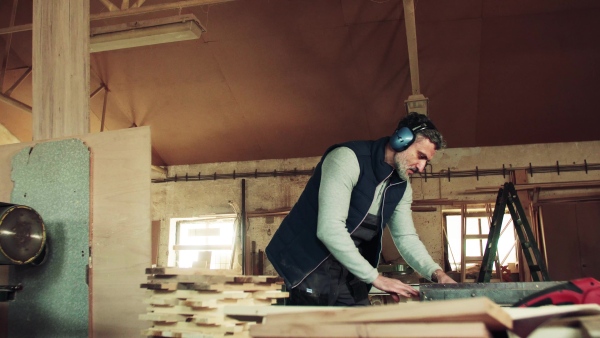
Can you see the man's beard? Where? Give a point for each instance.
(401, 167)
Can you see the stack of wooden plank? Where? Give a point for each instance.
(189, 302)
(474, 317)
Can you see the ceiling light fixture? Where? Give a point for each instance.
(145, 33)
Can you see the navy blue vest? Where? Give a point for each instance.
(295, 251)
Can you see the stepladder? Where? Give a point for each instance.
(508, 198)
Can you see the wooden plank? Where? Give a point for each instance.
(591, 326)
(198, 295)
(213, 279)
(318, 330)
(61, 59)
(248, 287)
(188, 271)
(527, 320)
(478, 309)
(187, 333)
(270, 294)
(199, 328)
(258, 312)
(190, 279)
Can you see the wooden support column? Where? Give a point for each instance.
(61, 68)
(416, 102)
(411, 39)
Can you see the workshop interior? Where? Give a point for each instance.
(150, 150)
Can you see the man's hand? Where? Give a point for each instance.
(442, 277)
(394, 287)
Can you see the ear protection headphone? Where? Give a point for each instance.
(403, 137)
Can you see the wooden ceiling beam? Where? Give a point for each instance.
(7, 45)
(411, 38)
(128, 12)
(15, 103)
(416, 102)
(124, 5)
(18, 82)
(109, 5)
(154, 8)
(138, 3)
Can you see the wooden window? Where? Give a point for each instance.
(202, 243)
(473, 238)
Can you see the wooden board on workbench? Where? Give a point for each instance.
(381, 330)
(479, 309)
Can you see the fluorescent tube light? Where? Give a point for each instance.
(145, 33)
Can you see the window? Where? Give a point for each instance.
(475, 237)
(201, 243)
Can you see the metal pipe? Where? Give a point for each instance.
(243, 226)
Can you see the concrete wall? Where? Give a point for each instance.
(195, 198)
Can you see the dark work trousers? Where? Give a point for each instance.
(331, 284)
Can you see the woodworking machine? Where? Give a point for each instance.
(22, 241)
(502, 293)
(521, 294)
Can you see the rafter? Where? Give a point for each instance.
(138, 3)
(129, 12)
(15, 103)
(104, 109)
(18, 82)
(124, 5)
(109, 5)
(7, 45)
(102, 86)
(155, 8)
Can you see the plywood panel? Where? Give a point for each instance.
(562, 242)
(588, 225)
(121, 229)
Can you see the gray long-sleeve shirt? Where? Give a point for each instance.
(340, 172)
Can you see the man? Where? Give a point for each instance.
(327, 249)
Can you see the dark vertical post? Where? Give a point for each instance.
(243, 223)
